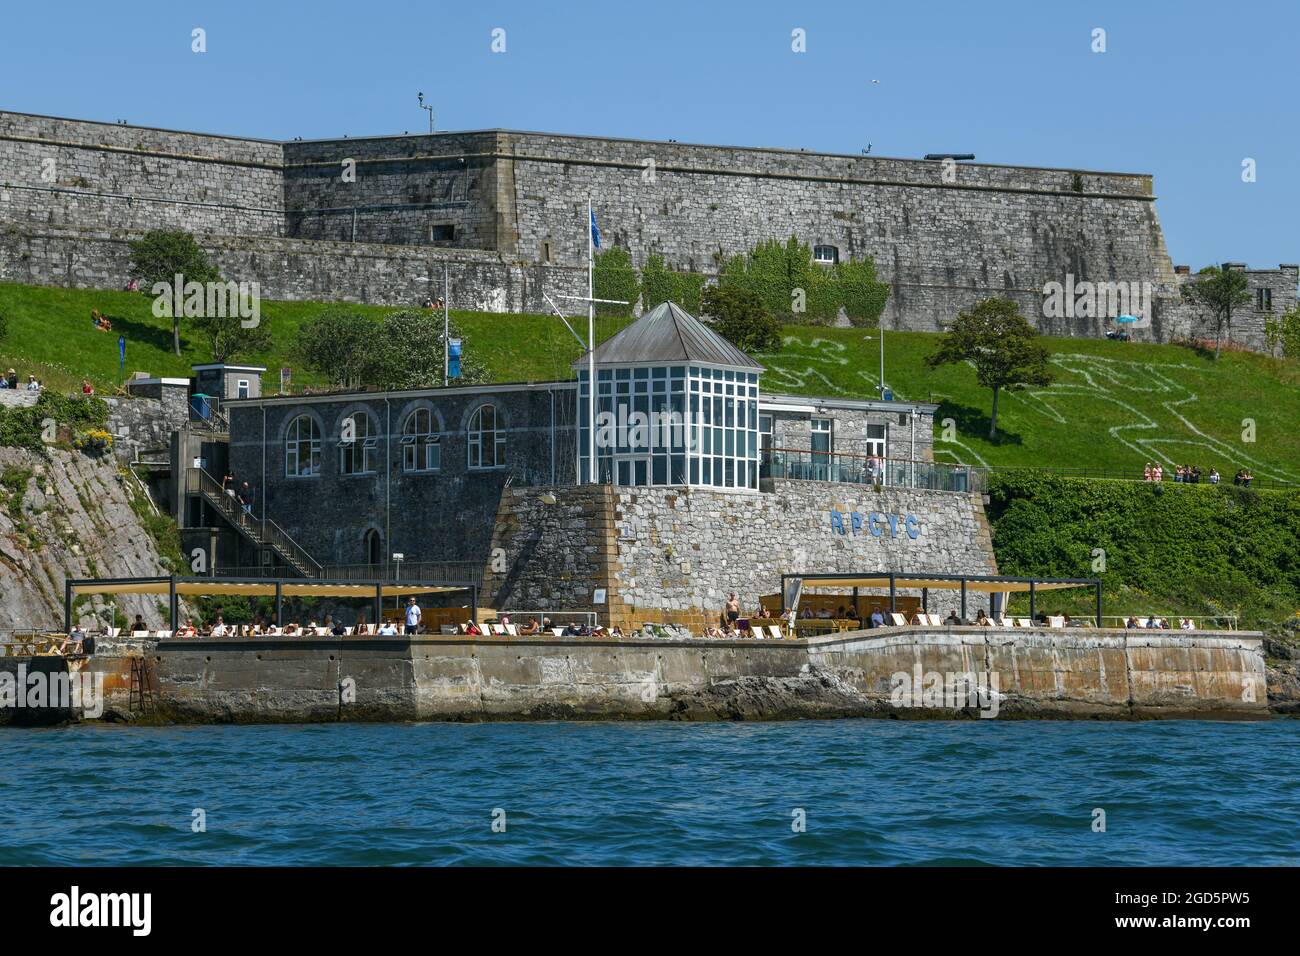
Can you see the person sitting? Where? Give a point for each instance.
(473, 628)
(139, 626)
(73, 642)
(1214, 476)
(1146, 472)
(806, 614)
(983, 619)
(187, 629)
(291, 630)
(336, 628)
(616, 632)
(32, 384)
(952, 619)
(388, 629)
(1132, 622)
(1186, 624)
(532, 627)
(877, 617)
(824, 614)
(11, 377)
(219, 628)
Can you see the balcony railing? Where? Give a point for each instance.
(807, 465)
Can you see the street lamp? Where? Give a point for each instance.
(420, 97)
(398, 558)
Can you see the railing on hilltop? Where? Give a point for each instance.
(809, 465)
(1129, 474)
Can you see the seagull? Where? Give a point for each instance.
(876, 82)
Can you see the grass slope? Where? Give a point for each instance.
(1113, 405)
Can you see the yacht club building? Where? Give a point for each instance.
(704, 484)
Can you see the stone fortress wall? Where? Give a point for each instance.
(505, 212)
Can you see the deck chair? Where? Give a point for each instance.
(1056, 621)
(557, 631)
(499, 630)
(774, 631)
(512, 630)
(114, 631)
(347, 631)
(163, 635)
(1006, 622)
(898, 619)
(274, 631)
(1024, 622)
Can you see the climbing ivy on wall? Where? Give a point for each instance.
(22, 427)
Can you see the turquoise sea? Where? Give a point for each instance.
(868, 791)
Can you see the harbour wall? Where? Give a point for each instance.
(1083, 673)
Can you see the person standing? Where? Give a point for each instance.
(413, 615)
(733, 609)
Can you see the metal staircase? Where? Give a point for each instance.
(262, 532)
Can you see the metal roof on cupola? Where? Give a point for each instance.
(668, 334)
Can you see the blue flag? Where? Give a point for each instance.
(595, 230)
(453, 358)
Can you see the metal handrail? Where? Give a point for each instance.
(806, 464)
(276, 537)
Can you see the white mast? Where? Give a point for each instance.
(591, 353)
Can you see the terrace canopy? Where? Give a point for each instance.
(278, 588)
(985, 583)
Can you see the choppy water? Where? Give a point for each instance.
(873, 792)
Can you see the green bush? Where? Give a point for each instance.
(23, 427)
(740, 317)
(1199, 547)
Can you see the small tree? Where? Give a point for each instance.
(1284, 331)
(614, 277)
(1218, 292)
(408, 353)
(227, 337)
(1001, 344)
(337, 344)
(159, 256)
(740, 317)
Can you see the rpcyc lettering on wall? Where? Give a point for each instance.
(875, 523)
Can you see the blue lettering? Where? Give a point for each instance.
(837, 522)
(913, 527)
(872, 526)
(856, 522)
(893, 526)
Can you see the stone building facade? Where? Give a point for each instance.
(379, 218)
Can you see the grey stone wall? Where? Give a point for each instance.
(143, 423)
(429, 517)
(908, 436)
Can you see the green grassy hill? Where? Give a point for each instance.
(1113, 405)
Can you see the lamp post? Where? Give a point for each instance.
(420, 97)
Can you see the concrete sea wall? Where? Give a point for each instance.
(1082, 673)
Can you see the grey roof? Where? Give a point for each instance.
(668, 333)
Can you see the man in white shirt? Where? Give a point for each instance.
(413, 615)
(388, 629)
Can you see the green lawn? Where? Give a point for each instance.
(1113, 406)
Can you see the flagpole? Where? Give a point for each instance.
(446, 318)
(591, 353)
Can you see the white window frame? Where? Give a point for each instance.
(414, 438)
(365, 446)
(478, 436)
(293, 445)
(241, 388)
(822, 261)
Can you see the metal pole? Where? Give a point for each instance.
(591, 353)
(1033, 618)
(1099, 602)
(963, 600)
(893, 604)
(925, 600)
(446, 323)
(171, 601)
(473, 603)
(67, 607)
(379, 604)
(279, 604)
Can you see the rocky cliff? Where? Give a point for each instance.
(68, 516)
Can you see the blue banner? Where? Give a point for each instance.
(453, 358)
(595, 230)
(121, 352)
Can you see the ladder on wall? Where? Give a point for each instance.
(141, 700)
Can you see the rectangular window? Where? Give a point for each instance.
(241, 388)
(442, 232)
(1264, 300)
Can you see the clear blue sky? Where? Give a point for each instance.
(1185, 90)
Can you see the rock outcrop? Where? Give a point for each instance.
(68, 516)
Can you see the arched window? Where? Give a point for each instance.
(302, 448)
(420, 448)
(358, 446)
(487, 439)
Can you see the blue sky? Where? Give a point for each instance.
(1185, 90)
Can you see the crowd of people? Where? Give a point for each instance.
(10, 380)
(1192, 475)
(1159, 623)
